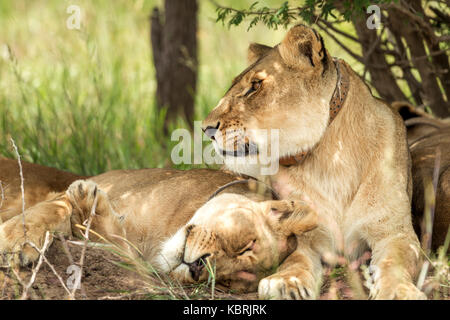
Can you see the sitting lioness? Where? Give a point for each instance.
(340, 148)
(167, 214)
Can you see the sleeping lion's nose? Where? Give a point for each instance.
(196, 267)
(210, 131)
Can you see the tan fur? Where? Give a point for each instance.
(418, 123)
(357, 173)
(429, 137)
(356, 177)
(153, 209)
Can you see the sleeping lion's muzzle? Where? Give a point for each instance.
(196, 267)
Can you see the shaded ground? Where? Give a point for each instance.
(103, 278)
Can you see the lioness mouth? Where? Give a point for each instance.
(249, 149)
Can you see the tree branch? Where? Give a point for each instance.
(330, 26)
(425, 27)
(332, 36)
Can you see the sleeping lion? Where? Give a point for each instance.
(165, 213)
(344, 177)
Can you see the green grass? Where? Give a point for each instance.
(83, 100)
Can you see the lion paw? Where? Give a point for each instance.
(82, 194)
(14, 249)
(388, 290)
(286, 288)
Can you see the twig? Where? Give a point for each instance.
(41, 252)
(86, 237)
(423, 275)
(18, 277)
(4, 284)
(66, 249)
(70, 258)
(38, 266)
(437, 166)
(2, 194)
(22, 189)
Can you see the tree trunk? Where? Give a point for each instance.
(409, 36)
(374, 60)
(174, 45)
(427, 67)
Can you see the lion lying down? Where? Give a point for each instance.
(429, 143)
(166, 213)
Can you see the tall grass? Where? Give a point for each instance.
(83, 100)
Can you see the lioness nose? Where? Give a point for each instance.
(210, 131)
(196, 267)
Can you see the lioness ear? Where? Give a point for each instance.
(303, 47)
(256, 51)
(292, 217)
(407, 110)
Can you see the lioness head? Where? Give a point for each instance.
(287, 87)
(240, 240)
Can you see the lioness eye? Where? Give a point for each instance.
(247, 248)
(256, 84)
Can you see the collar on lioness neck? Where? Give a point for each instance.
(336, 103)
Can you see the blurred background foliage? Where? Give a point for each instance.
(84, 100)
(405, 43)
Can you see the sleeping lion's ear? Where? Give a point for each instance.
(408, 111)
(303, 47)
(256, 51)
(292, 217)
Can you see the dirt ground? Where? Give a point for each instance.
(104, 279)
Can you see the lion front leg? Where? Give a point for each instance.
(298, 278)
(395, 262)
(52, 215)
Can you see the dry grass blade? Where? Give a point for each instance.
(86, 237)
(22, 189)
(38, 265)
(2, 198)
(430, 219)
(2, 195)
(69, 257)
(139, 265)
(42, 255)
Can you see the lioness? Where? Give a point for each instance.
(244, 236)
(339, 148)
(349, 161)
(429, 141)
